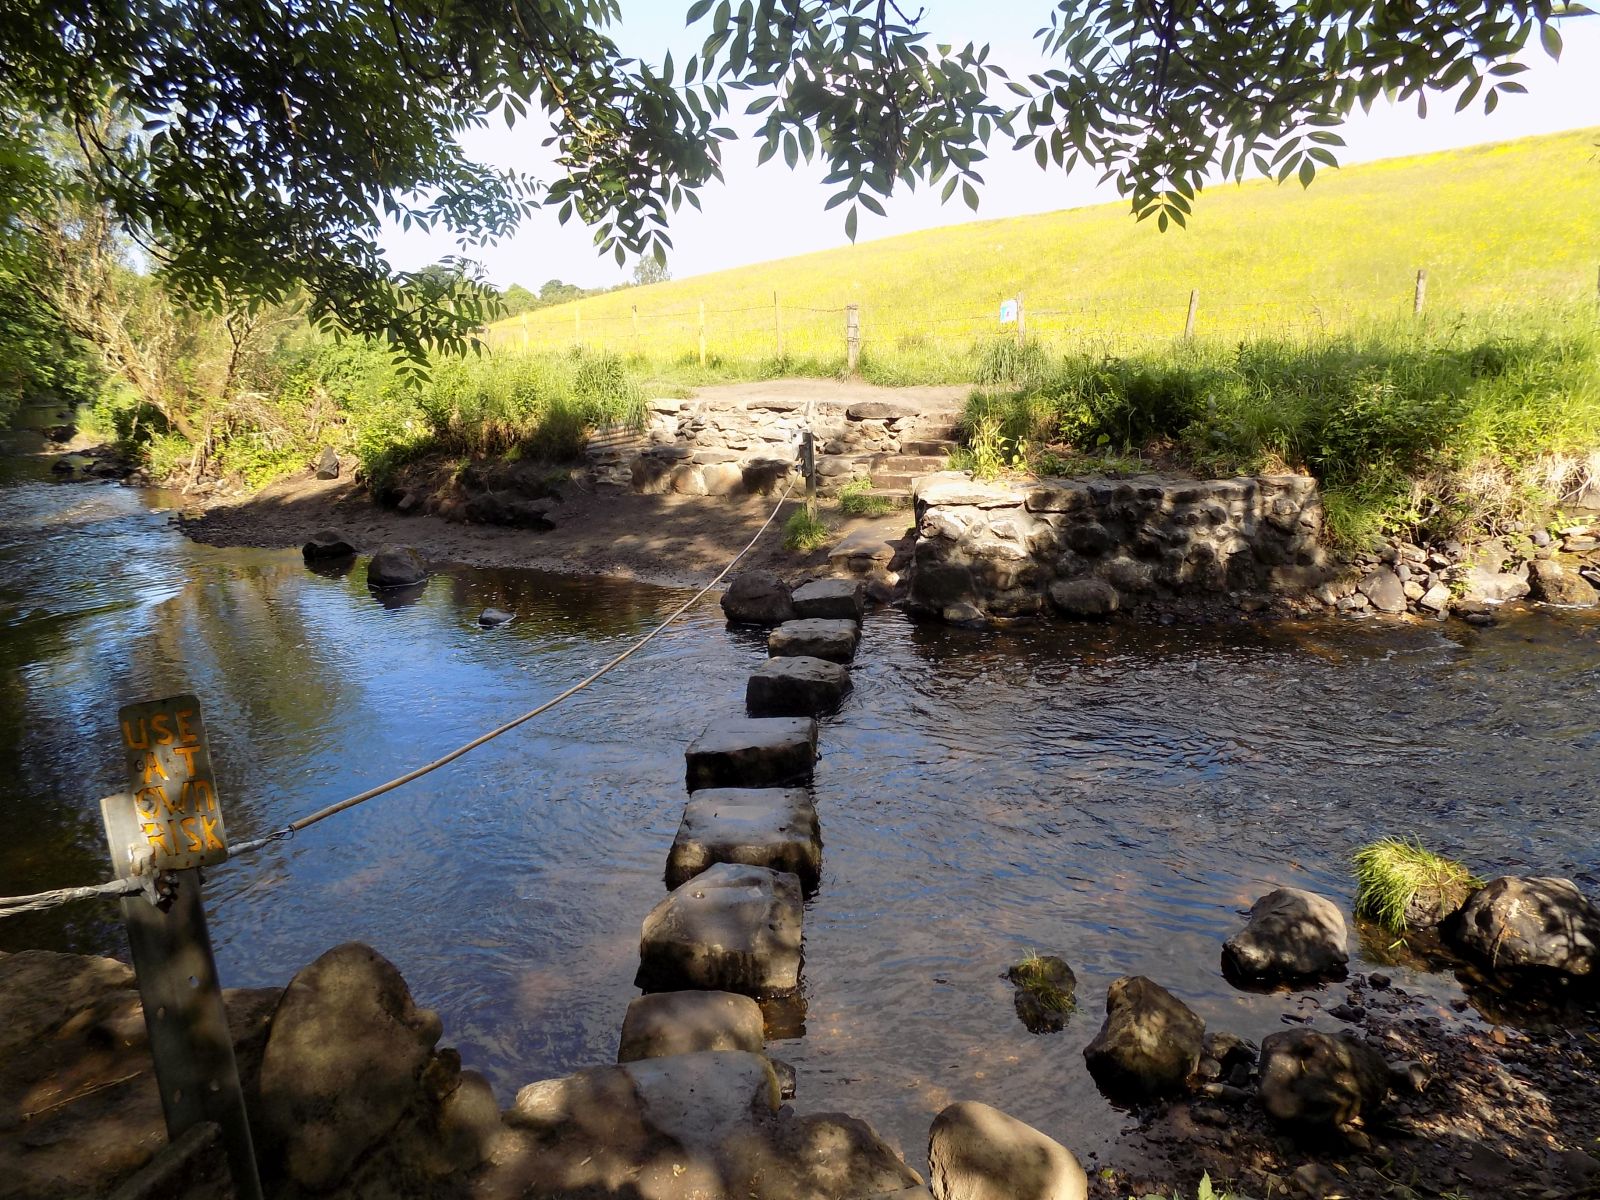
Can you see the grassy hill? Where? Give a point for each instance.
(1513, 224)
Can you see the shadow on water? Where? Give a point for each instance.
(1114, 794)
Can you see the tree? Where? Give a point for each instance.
(650, 270)
(517, 299)
(273, 135)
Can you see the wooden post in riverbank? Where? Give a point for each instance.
(1194, 307)
(161, 832)
(1419, 297)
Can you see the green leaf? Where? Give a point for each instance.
(1551, 37)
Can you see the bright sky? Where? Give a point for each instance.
(771, 212)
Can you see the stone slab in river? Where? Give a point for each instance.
(835, 641)
(688, 1022)
(976, 1152)
(831, 599)
(731, 928)
(701, 1126)
(796, 686)
(763, 827)
(752, 752)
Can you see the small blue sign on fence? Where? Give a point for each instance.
(1008, 312)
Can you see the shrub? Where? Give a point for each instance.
(1401, 885)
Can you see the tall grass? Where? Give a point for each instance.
(508, 405)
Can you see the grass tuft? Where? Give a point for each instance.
(1048, 980)
(805, 531)
(1401, 885)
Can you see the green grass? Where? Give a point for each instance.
(1504, 223)
(1397, 878)
(1037, 976)
(857, 500)
(804, 531)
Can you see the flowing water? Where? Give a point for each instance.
(1114, 794)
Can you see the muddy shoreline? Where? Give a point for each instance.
(669, 541)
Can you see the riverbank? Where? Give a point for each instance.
(669, 541)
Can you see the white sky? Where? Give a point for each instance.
(772, 212)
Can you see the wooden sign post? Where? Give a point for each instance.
(161, 832)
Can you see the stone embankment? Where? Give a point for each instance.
(1087, 548)
(1094, 547)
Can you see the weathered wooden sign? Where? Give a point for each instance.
(169, 819)
(1008, 311)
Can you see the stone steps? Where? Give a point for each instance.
(920, 464)
(937, 447)
(884, 482)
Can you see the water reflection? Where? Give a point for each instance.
(1113, 794)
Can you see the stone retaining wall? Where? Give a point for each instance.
(749, 444)
(1086, 547)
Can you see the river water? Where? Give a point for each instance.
(1114, 794)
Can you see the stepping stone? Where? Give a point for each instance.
(731, 928)
(752, 752)
(831, 599)
(687, 1022)
(763, 827)
(797, 686)
(815, 638)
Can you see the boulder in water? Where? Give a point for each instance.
(396, 566)
(1530, 924)
(325, 545)
(1149, 1045)
(1293, 935)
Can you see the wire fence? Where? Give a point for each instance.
(778, 328)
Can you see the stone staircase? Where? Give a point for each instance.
(926, 439)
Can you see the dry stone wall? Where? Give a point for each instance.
(1087, 547)
(720, 446)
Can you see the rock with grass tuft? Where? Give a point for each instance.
(1045, 992)
(1401, 885)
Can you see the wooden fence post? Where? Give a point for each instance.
(636, 329)
(1022, 321)
(161, 835)
(777, 322)
(1419, 297)
(1194, 305)
(852, 336)
(702, 333)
